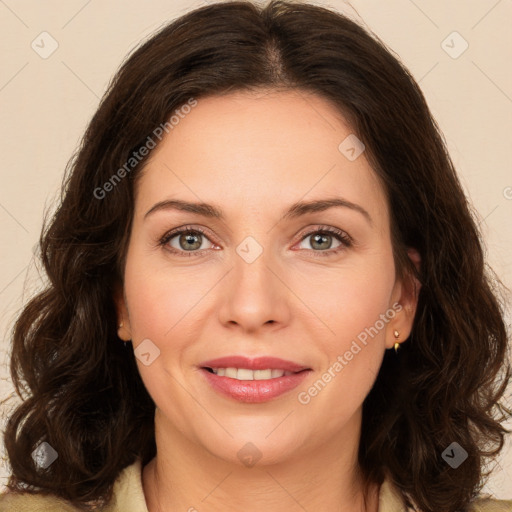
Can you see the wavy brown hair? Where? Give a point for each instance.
(81, 389)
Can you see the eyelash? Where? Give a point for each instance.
(344, 238)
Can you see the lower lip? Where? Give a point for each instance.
(254, 391)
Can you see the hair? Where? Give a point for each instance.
(84, 395)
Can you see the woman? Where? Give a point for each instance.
(264, 212)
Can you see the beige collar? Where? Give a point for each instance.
(390, 498)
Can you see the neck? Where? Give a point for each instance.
(184, 476)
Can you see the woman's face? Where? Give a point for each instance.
(260, 281)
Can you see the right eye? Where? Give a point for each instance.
(188, 240)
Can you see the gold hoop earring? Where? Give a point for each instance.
(397, 345)
(125, 342)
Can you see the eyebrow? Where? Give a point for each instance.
(296, 210)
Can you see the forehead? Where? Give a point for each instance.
(258, 149)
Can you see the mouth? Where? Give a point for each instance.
(244, 363)
(248, 374)
(253, 380)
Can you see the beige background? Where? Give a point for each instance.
(46, 103)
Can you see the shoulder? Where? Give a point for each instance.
(392, 500)
(25, 502)
(127, 495)
(491, 505)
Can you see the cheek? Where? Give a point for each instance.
(149, 307)
(160, 298)
(355, 305)
(159, 306)
(351, 298)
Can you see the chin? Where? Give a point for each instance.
(254, 448)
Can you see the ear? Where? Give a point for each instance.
(123, 319)
(405, 293)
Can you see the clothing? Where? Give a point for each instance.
(129, 497)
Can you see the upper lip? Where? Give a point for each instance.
(257, 363)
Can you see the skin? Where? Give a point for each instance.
(253, 155)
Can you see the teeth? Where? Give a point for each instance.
(231, 372)
(266, 374)
(246, 374)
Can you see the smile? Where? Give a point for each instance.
(247, 374)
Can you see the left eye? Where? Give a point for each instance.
(322, 240)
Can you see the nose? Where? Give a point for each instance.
(255, 294)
